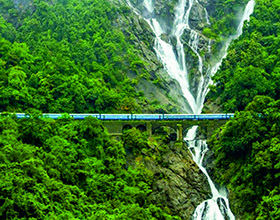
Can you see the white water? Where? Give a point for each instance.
(148, 5)
(207, 16)
(174, 60)
(216, 208)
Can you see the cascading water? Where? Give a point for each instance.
(216, 208)
(173, 57)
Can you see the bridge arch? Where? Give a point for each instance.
(126, 127)
(163, 129)
(141, 128)
(206, 127)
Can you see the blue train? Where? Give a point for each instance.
(139, 116)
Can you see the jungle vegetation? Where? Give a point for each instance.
(67, 169)
(252, 64)
(69, 56)
(247, 148)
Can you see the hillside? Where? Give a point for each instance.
(109, 56)
(247, 148)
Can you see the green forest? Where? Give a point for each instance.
(67, 169)
(247, 148)
(67, 56)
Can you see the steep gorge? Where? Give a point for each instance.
(191, 54)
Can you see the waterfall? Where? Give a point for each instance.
(207, 16)
(216, 208)
(172, 54)
(148, 5)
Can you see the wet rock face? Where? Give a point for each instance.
(165, 13)
(198, 17)
(178, 184)
(209, 163)
(159, 86)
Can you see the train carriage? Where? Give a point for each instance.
(147, 116)
(214, 116)
(83, 116)
(115, 116)
(179, 116)
(22, 115)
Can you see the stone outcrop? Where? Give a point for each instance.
(198, 17)
(178, 183)
(182, 186)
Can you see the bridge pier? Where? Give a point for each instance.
(149, 129)
(179, 132)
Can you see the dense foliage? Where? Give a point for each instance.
(66, 56)
(252, 64)
(247, 151)
(69, 56)
(224, 21)
(247, 148)
(68, 169)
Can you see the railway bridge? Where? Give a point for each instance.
(117, 123)
(179, 127)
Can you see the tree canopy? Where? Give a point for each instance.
(67, 169)
(247, 158)
(247, 148)
(66, 56)
(252, 64)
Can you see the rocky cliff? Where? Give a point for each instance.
(178, 185)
